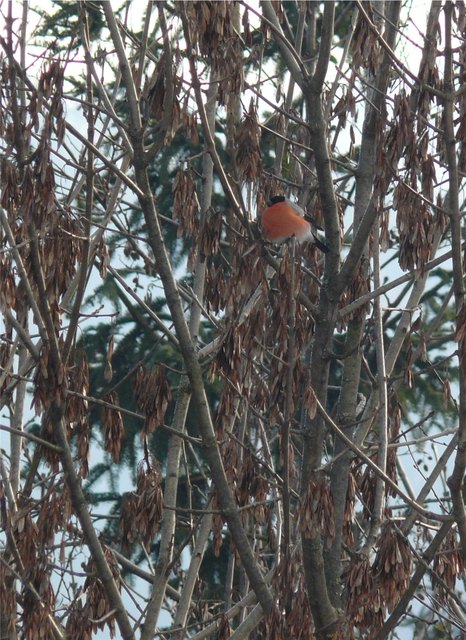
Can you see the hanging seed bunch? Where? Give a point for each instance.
(129, 532)
(77, 409)
(253, 487)
(112, 426)
(364, 604)
(365, 47)
(248, 153)
(36, 621)
(392, 565)
(153, 396)
(316, 516)
(97, 607)
(185, 204)
(150, 501)
(212, 29)
(449, 565)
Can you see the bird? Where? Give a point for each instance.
(283, 220)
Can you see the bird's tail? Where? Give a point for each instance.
(319, 244)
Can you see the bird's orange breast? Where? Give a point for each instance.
(280, 222)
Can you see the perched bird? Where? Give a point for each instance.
(283, 219)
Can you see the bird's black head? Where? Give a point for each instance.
(274, 199)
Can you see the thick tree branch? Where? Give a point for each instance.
(80, 507)
(455, 481)
(382, 413)
(91, 69)
(126, 73)
(83, 272)
(194, 372)
(290, 55)
(325, 47)
(370, 141)
(187, 347)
